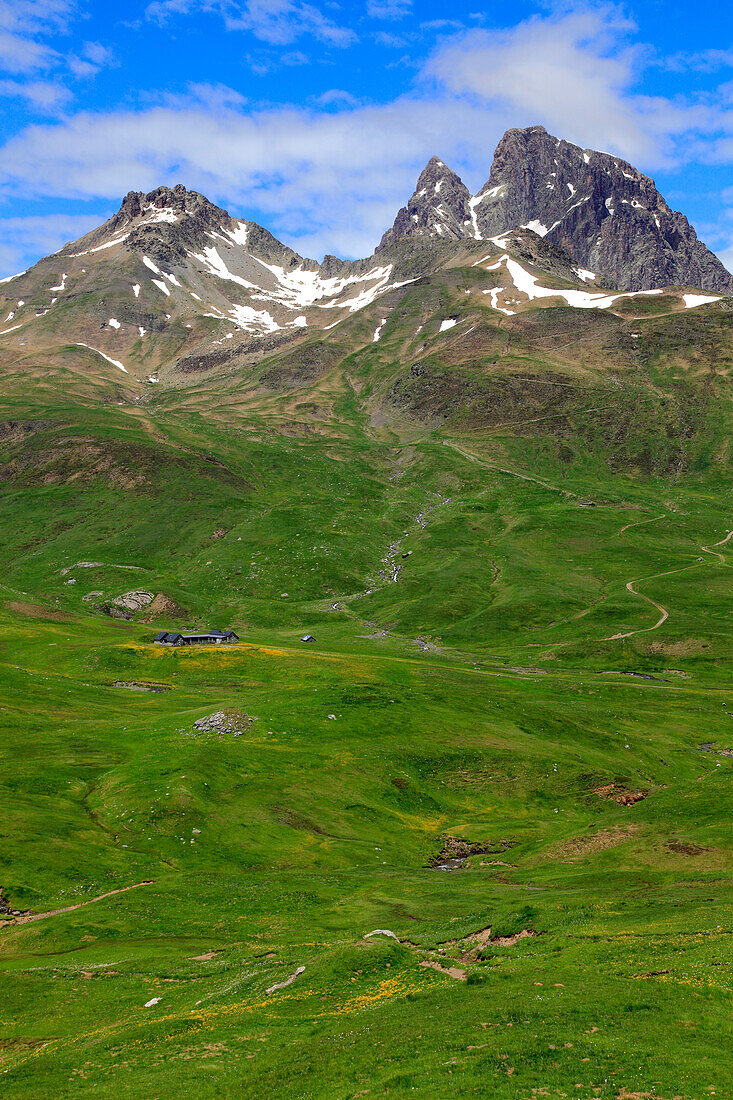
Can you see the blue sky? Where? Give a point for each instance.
(315, 117)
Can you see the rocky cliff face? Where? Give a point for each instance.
(439, 208)
(609, 217)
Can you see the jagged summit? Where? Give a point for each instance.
(172, 282)
(169, 223)
(440, 207)
(169, 202)
(609, 217)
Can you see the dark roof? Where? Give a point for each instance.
(172, 638)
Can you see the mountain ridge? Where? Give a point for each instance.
(173, 283)
(609, 217)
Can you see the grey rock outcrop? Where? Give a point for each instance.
(440, 207)
(609, 217)
(600, 210)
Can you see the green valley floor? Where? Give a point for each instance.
(474, 840)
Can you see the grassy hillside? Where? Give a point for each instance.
(509, 746)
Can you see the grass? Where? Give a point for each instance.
(479, 698)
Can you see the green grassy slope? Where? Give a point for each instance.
(507, 701)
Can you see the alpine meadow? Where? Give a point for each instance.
(450, 812)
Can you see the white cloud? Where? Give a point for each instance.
(277, 22)
(20, 54)
(388, 9)
(24, 26)
(39, 235)
(331, 177)
(44, 95)
(339, 173)
(92, 57)
(575, 74)
(32, 16)
(27, 29)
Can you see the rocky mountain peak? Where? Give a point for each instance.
(600, 209)
(439, 207)
(609, 217)
(168, 204)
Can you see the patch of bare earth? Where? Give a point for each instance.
(617, 792)
(456, 847)
(684, 848)
(162, 605)
(689, 647)
(472, 945)
(452, 971)
(591, 843)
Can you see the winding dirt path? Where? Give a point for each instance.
(640, 523)
(664, 614)
(712, 550)
(647, 599)
(27, 918)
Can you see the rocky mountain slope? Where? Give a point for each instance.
(173, 287)
(609, 217)
(171, 273)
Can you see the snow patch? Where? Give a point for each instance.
(472, 204)
(7, 330)
(62, 284)
(378, 330)
(495, 292)
(114, 362)
(537, 227)
(252, 319)
(450, 322)
(238, 234)
(527, 284)
(162, 214)
(161, 286)
(102, 247)
(136, 290)
(113, 322)
(693, 300)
